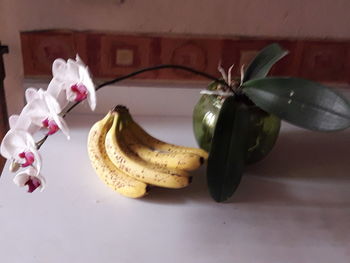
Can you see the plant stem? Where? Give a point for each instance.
(165, 66)
(41, 142)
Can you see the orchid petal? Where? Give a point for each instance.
(79, 61)
(57, 90)
(54, 110)
(51, 126)
(72, 72)
(37, 157)
(68, 76)
(42, 109)
(70, 94)
(15, 142)
(21, 122)
(37, 111)
(19, 146)
(43, 112)
(28, 157)
(31, 178)
(62, 125)
(80, 92)
(13, 121)
(59, 68)
(52, 104)
(87, 81)
(31, 94)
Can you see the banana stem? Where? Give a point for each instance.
(165, 66)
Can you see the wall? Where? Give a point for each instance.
(297, 18)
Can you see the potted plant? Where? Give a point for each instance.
(238, 122)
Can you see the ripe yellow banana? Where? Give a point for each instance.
(133, 165)
(176, 160)
(156, 144)
(105, 169)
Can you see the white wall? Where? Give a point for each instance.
(283, 18)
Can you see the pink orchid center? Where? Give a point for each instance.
(28, 158)
(51, 126)
(32, 183)
(80, 91)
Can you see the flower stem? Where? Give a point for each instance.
(165, 66)
(41, 142)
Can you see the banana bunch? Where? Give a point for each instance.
(129, 160)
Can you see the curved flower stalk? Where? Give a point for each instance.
(72, 82)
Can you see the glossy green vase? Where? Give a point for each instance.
(263, 131)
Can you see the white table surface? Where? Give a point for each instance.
(294, 206)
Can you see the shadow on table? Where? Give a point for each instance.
(298, 156)
(307, 154)
(195, 192)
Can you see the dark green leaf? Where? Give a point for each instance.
(229, 146)
(301, 102)
(262, 63)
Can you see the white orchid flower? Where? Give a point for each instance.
(30, 177)
(43, 110)
(21, 122)
(19, 147)
(72, 82)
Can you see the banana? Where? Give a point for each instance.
(156, 144)
(105, 169)
(176, 160)
(133, 165)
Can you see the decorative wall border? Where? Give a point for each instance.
(114, 54)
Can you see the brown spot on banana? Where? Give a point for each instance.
(172, 160)
(155, 143)
(105, 169)
(137, 167)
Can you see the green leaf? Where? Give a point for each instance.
(229, 146)
(301, 102)
(263, 62)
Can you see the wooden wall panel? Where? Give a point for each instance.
(3, 109)
(40, 49)
(121, 55)
(325, 61)
(110, 55)
(201, 54)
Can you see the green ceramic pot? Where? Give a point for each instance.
(264, 127)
